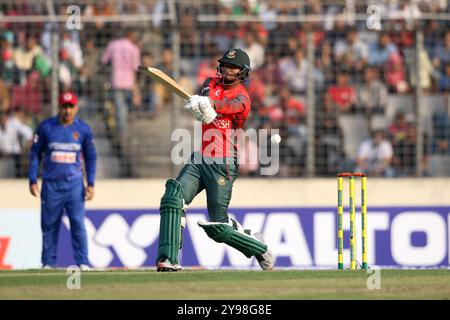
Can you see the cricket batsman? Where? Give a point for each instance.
(223, 107)
(62, 142)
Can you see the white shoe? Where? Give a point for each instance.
(266, 260)
(166, 266)
(85, 267)
(47, 267)
(176, 267)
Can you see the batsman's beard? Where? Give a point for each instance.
(228, 82)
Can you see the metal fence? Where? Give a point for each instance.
(351, 85)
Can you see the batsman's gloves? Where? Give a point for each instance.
(206, 109)
(201, 108)
(193, 107)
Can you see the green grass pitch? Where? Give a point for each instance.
(226, 284)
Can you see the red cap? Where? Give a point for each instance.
(68, 98)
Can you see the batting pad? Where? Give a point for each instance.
(223, 232)
(170, 225)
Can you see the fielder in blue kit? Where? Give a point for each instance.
(63, 142)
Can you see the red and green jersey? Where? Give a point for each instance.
(233, 105)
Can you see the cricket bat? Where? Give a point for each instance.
(166, 81)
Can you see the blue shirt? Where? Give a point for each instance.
(380, 55)
(63, 148)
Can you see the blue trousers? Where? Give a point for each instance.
(122, 102)
(58, 197)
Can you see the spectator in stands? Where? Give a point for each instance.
(7, 65)
(28, 96)
(257, 88)
(125, 57)
(257, 29)
(397, 129)
(294, 72)
(330, 154)
(313, 7)
(66, 70)
(162, 95)
(379, 52)
(268, 13)
(404, 142)
(404, 38)
(71, 43)
(4, 96)
(295, 124)
(444, 79)
(372, 95)
(375, 156)
(26, 52)
(222, 36)
(426, 71)
(145, 85)
(354, 73)
(394, 73)
(15, 136)
(101, 8)
(432, 36)
(270, 73)
(254, 49)
(435, 6)
(318, 35)
(190, 39)
(87, 85)
(356, 50)
(92, 57)
(442, 52)
(441, 133)
(340, 97)
(244, 7)
(407, 10)
(336, 28)
(326, 64)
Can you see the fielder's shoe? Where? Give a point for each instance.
(165, 265)
(47, 267)
(85, 267)
(266, 260)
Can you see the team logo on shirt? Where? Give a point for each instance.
(221, 181)
(75, 135)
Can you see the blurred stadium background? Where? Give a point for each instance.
(322, 73)
(319, 74)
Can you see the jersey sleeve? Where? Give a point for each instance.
(237, 105)
(39, 142)
(90, 156)
(205, 89)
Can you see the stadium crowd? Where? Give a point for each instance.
(354, 71)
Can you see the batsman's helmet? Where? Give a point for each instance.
(239, 58)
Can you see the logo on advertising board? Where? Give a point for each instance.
(4, 243)
(299, 237)
(20, 239)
